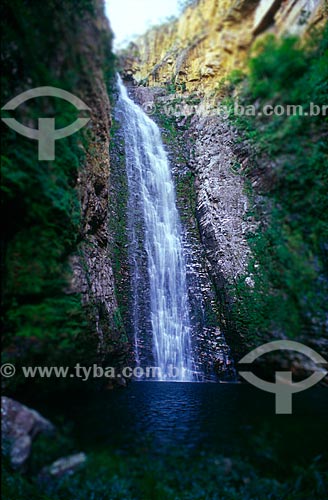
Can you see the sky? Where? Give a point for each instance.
(134, 17)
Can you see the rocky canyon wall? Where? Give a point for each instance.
(182, 71)
(93, 269)
(56, 242)
(212, 38)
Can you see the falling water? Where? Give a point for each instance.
(155, 245)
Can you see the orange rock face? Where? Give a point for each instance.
(212, 38)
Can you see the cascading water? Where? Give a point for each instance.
(160, 293)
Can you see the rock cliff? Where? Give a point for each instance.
(184, 71)
(93, 270)
(213, 38)
(56, 242)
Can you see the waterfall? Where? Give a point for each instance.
(158, 268)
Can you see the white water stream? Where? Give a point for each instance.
(152, 207)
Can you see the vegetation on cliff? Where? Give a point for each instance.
(289, 169)
(47, 44)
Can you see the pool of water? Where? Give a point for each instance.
(220, 418)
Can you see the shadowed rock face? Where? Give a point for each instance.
(20, 426)
(75, 54)
(92, 266)
(212, 38)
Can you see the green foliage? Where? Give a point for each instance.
(185, 187)
(40, 200)
(276, 67)
(171, 87)
(56, 318)
(235, 76)
(111, 476)
(289, 265)
(48, 448)
(169, 126)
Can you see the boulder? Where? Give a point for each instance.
(63, 466)
(20, 426)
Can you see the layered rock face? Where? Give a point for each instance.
(221, 200)
(212, 38)
(215, 210)
(186, 61)
(222, 212)
(205, 247)
(93, 272)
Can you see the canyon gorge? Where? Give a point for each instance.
(181, 228)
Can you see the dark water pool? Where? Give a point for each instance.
(221, 418)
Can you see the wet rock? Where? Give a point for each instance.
(20, 451)
(145, 95)
(250, 282)
(20, 426)
(63, 466)
(221, 200)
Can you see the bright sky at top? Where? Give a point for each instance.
(134, 17)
